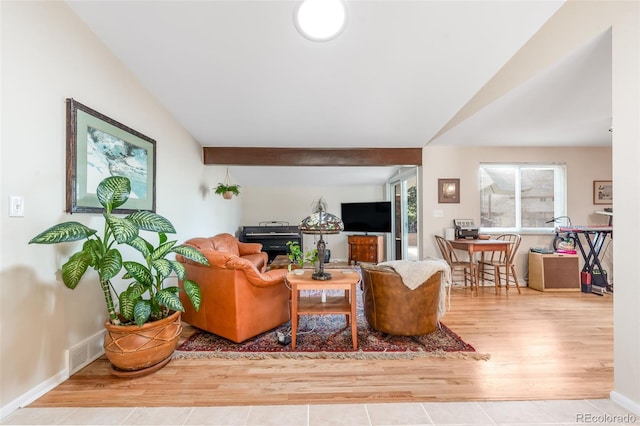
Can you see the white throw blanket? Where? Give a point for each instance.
(414, 273)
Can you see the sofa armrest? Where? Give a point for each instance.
(249, 248)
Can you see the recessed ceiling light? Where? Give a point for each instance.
(320, 20)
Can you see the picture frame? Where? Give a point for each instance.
(99, 147)
(448, 190)
(602, 192)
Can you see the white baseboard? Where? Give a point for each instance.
(625, 402)
(34, 393)
(77, 357)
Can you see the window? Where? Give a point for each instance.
(521, 197)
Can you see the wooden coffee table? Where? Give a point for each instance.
(334, 305)
(282, 261)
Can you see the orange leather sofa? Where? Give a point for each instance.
(240, 299)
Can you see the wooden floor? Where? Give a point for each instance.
(542, 346)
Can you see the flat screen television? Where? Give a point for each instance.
(367, 217)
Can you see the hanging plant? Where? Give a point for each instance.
(226, 189)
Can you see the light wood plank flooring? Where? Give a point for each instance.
(542, 346)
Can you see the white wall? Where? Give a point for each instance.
(626, 175)
(48, 55)
(293, 203)
(584, 165)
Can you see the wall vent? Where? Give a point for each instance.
(85, 352)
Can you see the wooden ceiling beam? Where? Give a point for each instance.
(312, 156)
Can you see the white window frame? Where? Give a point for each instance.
(559, 196)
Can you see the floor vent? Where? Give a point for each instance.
(85, 352)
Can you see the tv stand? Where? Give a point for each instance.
(366, 248)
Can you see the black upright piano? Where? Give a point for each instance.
(272, 235)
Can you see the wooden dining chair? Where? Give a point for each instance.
(459, 268)
(498, 263)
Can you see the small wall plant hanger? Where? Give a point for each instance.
(226, 189)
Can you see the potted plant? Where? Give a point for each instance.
(146, 302)
(311, 256)
(294, 252)
(227, 191)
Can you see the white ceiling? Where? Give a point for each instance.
(237, 73)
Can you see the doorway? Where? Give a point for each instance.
(404, 192)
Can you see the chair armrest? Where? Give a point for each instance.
(249, 248)
(255, 277)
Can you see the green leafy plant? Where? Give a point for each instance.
(294, 253)
(222, 188)
(311, 256)
(146, 298)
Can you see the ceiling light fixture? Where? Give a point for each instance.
(320, 20)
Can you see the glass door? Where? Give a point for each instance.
(404, 191)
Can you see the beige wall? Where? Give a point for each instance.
(292, 204)
(49, 55)
(583, 167)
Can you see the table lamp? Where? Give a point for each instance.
(320, 222)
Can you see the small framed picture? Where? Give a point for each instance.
(448, 190)
(602, 192)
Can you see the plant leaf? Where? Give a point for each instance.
(192, 253)
(139, 272)
(128, 301)
(193, 291)
(141, 312)
(62, 233)
(113, 192)
(180, 270)
(110, 264)
(169, 299)
(162, 250)
(74, 268)
(162, 237)
(163, 266)
(94, 248)
(124, 231)
(150, 221)
(142, 246)
(136, 289)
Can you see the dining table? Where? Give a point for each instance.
(473, 246)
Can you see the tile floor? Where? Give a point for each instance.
(569, 412)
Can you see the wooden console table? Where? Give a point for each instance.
(334, 305)
(366, 248)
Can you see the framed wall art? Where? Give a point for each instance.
(448, 190)
(602, 192)
(99, 147)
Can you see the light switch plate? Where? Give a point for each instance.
(16, 206)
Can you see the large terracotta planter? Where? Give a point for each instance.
(130, 348)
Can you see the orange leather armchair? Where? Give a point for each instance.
(239, 299)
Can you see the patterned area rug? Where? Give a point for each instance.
(328, 336)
